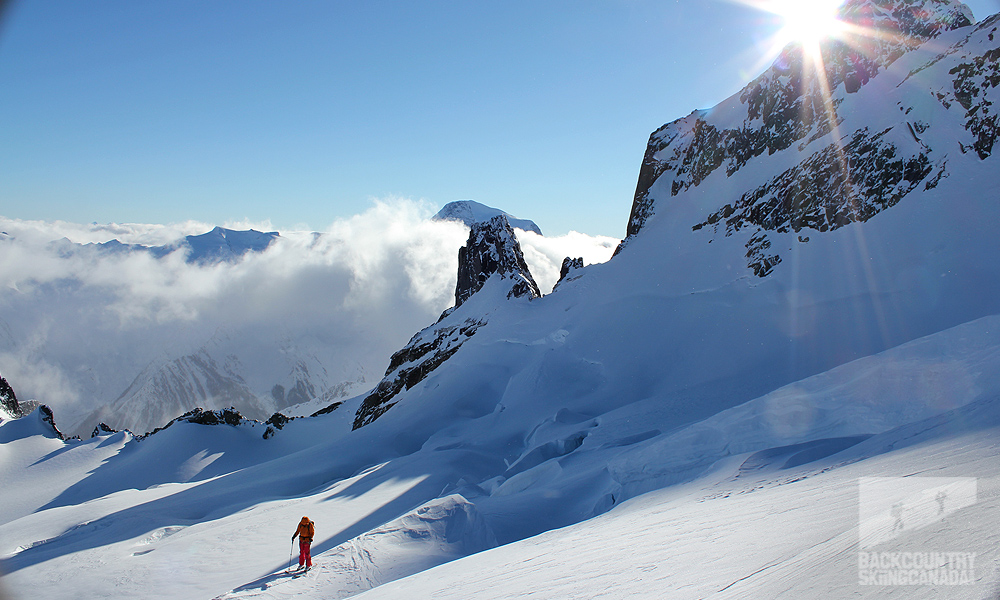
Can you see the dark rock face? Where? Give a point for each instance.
(425, 352)
(785, 104)
(227, 416)
(103, 429)
(974, 77)
(8, 400)
(568, 266)
(844, 183)
(275, 422)
(492, 249)
(49, 417)
(850, 180)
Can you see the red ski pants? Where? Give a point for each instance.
(304, 556)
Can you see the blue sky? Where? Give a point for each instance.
(300, 112)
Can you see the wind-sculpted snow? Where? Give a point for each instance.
(221, 502)
(437, 532)
(491, 256)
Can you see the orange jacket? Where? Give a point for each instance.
(305, 530)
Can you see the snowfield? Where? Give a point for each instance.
(750, 513)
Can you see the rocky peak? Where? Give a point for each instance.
(493, 249)
(48, 417)
(103, 428)
(907, 21)
(569, 265)
(792, 105)
(8, 401)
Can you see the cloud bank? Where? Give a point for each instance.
(77, 327)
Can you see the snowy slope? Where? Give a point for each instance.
(100, 514)
(789, 533)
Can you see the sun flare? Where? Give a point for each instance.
(807, 22)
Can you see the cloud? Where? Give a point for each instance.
(43, 232)
(77, 327)
(544, 255)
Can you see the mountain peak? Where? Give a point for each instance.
(471, 212)
(492, 249)
(924, 19)
(222, 244)
(850, 164)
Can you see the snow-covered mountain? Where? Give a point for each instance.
(471, 212)
(706, 415)
(256, 372)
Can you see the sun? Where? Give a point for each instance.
(807, 22)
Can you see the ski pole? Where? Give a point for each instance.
(291, 553)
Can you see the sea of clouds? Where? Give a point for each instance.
(76, 328)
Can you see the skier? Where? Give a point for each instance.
(305, 532)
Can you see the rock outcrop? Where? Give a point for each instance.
(8, 400)
(227, 416)
(103, 429)
(277, 421)
(493, 250)
(568, 266)
(49, 418)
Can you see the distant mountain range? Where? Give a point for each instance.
(217, 245)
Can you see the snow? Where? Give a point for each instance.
(436, 532)
(470, 211)
(731, 534)
(111, 514)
